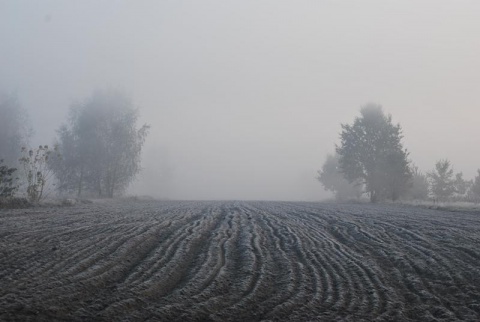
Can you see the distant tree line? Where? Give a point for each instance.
(97, 151)
(371, 160)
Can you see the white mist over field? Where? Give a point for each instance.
(245, 98)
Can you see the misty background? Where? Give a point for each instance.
(245, 98)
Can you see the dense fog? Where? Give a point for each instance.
(245, 99)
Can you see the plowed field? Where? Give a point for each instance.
(239, 261)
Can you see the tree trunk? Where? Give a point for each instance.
(373, 197)
(79, 190)
(112, 182)
(99, 187)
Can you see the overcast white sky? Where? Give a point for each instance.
(245, 98)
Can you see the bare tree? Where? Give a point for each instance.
(36, 172)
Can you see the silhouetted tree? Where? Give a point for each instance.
(333, 180)
(419, 188)
(100, 146)
(475, 188)
(461, 187)
(442, 181)
(371, 151)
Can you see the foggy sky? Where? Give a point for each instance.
(245, 98)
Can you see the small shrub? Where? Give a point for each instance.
(8, 181)
(36, 172)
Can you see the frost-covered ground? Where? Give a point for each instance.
(239, 261)
(452, 206)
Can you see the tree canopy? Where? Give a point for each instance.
(445, 185)
(441, 179)
(419, 189)
(371, 151)
(333, 180)
(100, 145)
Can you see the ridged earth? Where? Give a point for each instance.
(239, 261)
